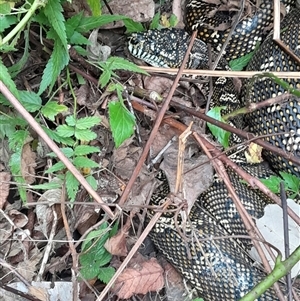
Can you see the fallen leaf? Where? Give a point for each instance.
(4, 187)
(116, 245)
(142, 279)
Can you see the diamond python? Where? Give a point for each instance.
(221, 269)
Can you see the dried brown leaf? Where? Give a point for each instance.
(4, 187)
(117, 244)
(28, 164)
(143, 278)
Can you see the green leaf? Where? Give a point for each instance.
(65, 130)
(17, 139)
(85, 135)
(173, 20)
(95, 7)
(292, 182)
(30, 100)
(92, 181)
(56, 167)
(53, 11)
(15, 168)
(103, 231)
(105, 274)
(57, 62)
(81, 162)
(155, 21)
(8, 82)
(89, 23)
(72, 23)
(67, 151)
(221, 135)
(272, 183)
(86, 122)
(5, 8)
(89, 271)
(52, 108)
(72, 186)
(133, 26)
(82, 150)
(121, 121)
(78, 39)
(7, 21)
(16, 68)
(57, 138)
(240, 63)
(118, 63)
(105, 78)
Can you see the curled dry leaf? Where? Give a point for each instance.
(28, 164)
(4, 187)
(117, 244)
(144, 278)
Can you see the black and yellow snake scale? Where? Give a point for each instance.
(221, 269)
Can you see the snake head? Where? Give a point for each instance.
(166, 48)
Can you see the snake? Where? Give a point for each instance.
(221, 269)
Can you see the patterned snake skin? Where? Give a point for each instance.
(220, 269)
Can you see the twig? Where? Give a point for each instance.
(286, 238)
(48, 247)
(71, 245)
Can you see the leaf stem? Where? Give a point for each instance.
(36, 4)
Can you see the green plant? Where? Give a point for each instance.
(16, 19)
(94, 256)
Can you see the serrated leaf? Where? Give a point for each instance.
(118, 63)
(53, 11)
(87, 122)
(89, 271)
(52, 108)
(7, 21)
(105, 274)
(221, 135)
(78, 39)
(30, 100)
(8, 82)
(57, 138)
(81, 162)
(155, 21)
(72, 186)
(101, 232)
(57, 62)
(17, 140)
(46, 186)
(65, 130)
(292, 182)
(272, 183)
(56, 167)
(67, 151)
(121, 121)
(82, 150)
(90, 23)
(133, 26)
(72, 23)
(85, 135)
(105, 78)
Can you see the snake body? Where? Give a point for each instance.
(221, 269)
